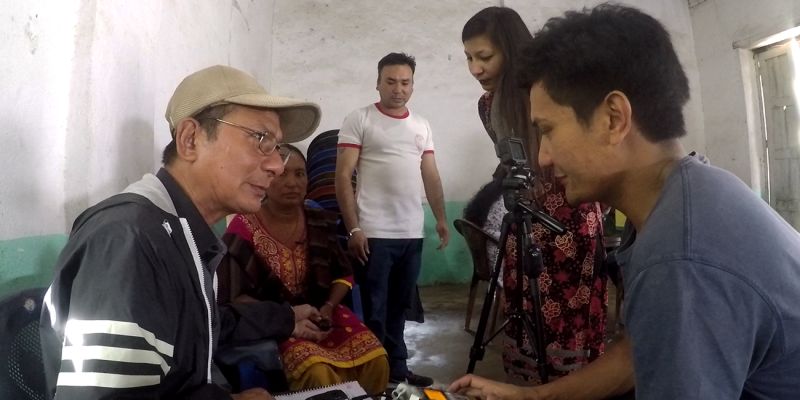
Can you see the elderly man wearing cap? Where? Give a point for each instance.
(131, 310)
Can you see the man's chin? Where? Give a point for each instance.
(573, 199)
(250, 207)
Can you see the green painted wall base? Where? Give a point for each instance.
(28, 262)
(453, 264)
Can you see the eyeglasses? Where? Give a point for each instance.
(267, 142)
(285, 153)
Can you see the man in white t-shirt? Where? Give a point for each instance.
(389, 146)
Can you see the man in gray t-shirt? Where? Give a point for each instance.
(712, 280)
(711, 273)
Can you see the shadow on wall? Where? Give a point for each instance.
(28, 262)
(129, 156)
(135, 152)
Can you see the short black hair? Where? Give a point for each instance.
(397, 59)
(207, 119)
(581, 57)
(477, 209)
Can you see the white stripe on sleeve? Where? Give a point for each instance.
(76, 328)
(97, 379)
(78, 354)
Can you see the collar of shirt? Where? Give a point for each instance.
(208, 245)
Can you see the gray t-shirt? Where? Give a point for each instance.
(712, 286)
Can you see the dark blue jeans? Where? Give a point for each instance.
(386, 283)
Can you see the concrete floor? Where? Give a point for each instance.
(440, 347)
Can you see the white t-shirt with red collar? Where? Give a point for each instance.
(389, 191)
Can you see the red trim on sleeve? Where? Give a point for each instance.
(427, 152)
(378, 106)
(353, 145)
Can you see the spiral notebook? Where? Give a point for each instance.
(351, 389)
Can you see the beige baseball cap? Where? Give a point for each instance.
(221, 84)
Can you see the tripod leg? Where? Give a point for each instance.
(540, 348)
(479, 346)
(498, 300)
(533, 266)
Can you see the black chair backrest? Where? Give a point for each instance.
(22, 371)
(476, 242)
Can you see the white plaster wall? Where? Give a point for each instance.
(85, 86)
(328, 51)
(732, 113)
(235, 33)
(35, 82)
(86, 83)
(674, 15)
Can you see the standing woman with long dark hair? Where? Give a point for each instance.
(572, 283)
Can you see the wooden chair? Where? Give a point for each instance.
(477, 239)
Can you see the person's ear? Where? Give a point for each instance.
(619, 116)
(186, 135)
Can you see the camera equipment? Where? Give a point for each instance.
(518, 181)
(522, 211)
(511, 152)
(404, 391)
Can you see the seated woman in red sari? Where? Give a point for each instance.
(288, 252)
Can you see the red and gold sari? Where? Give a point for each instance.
(350, 343)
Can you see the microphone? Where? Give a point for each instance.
(404, 391)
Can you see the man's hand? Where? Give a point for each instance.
(306, 329)
(359, 247)
(253, 394)
(444, 234)
(482, 388)
(326, 311)
(305, 311)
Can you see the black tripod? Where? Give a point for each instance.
(528, 263)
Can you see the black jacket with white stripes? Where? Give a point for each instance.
(131, 312)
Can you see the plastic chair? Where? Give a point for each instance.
(21, 376)
(477, 239)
